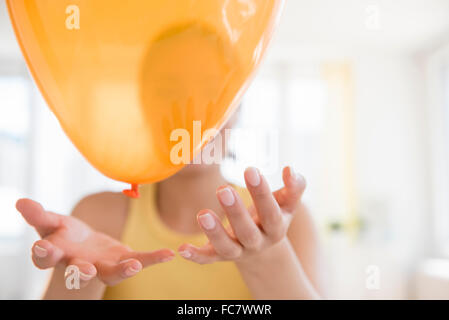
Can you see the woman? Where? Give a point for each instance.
(251, 243)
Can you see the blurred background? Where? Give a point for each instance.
(356, 96)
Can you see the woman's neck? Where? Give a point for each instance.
(180, 197)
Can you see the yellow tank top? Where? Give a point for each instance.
(179, 278)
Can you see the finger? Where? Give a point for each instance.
(203, 255)
(45, 222)
(46, 255)
(219, 238)
(113, 273)
(243, 225)
(151, 257)
(86, 270)
(295, 184)
(267, 208)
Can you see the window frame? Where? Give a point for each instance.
(437, 74)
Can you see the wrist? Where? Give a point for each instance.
(276, 273)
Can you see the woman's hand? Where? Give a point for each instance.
(69, 241)
(253, 230)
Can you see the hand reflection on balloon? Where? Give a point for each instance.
(132, 73)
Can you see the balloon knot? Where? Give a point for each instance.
(133, 192)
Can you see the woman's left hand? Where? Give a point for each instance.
(252, 230)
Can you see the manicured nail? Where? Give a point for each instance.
(40, 252)
(293, 174)
(167, 259)
(226, 196)
(185, 254)
(86, 277)
(130, 271)
(253, 176)
(207, 221)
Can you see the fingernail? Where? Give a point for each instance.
(185, 254)
(167, 259)
(293, 175)
(40, 252)
(207, 221)
(130, 271)
(85, 277)
(226, 196)
(253, 176)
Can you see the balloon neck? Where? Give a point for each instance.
(133, 192)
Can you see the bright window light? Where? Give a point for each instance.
(14, 126)
(306, 100)
(12, 223)
(14, 121)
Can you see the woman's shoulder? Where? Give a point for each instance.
(105, 212)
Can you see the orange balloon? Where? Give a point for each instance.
(121, 76)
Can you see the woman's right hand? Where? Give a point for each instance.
(71, 242)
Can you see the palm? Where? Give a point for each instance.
(69, 241)
(78, 240)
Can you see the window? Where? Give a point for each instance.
(14, 125)
(254, 139)
(291, 116)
